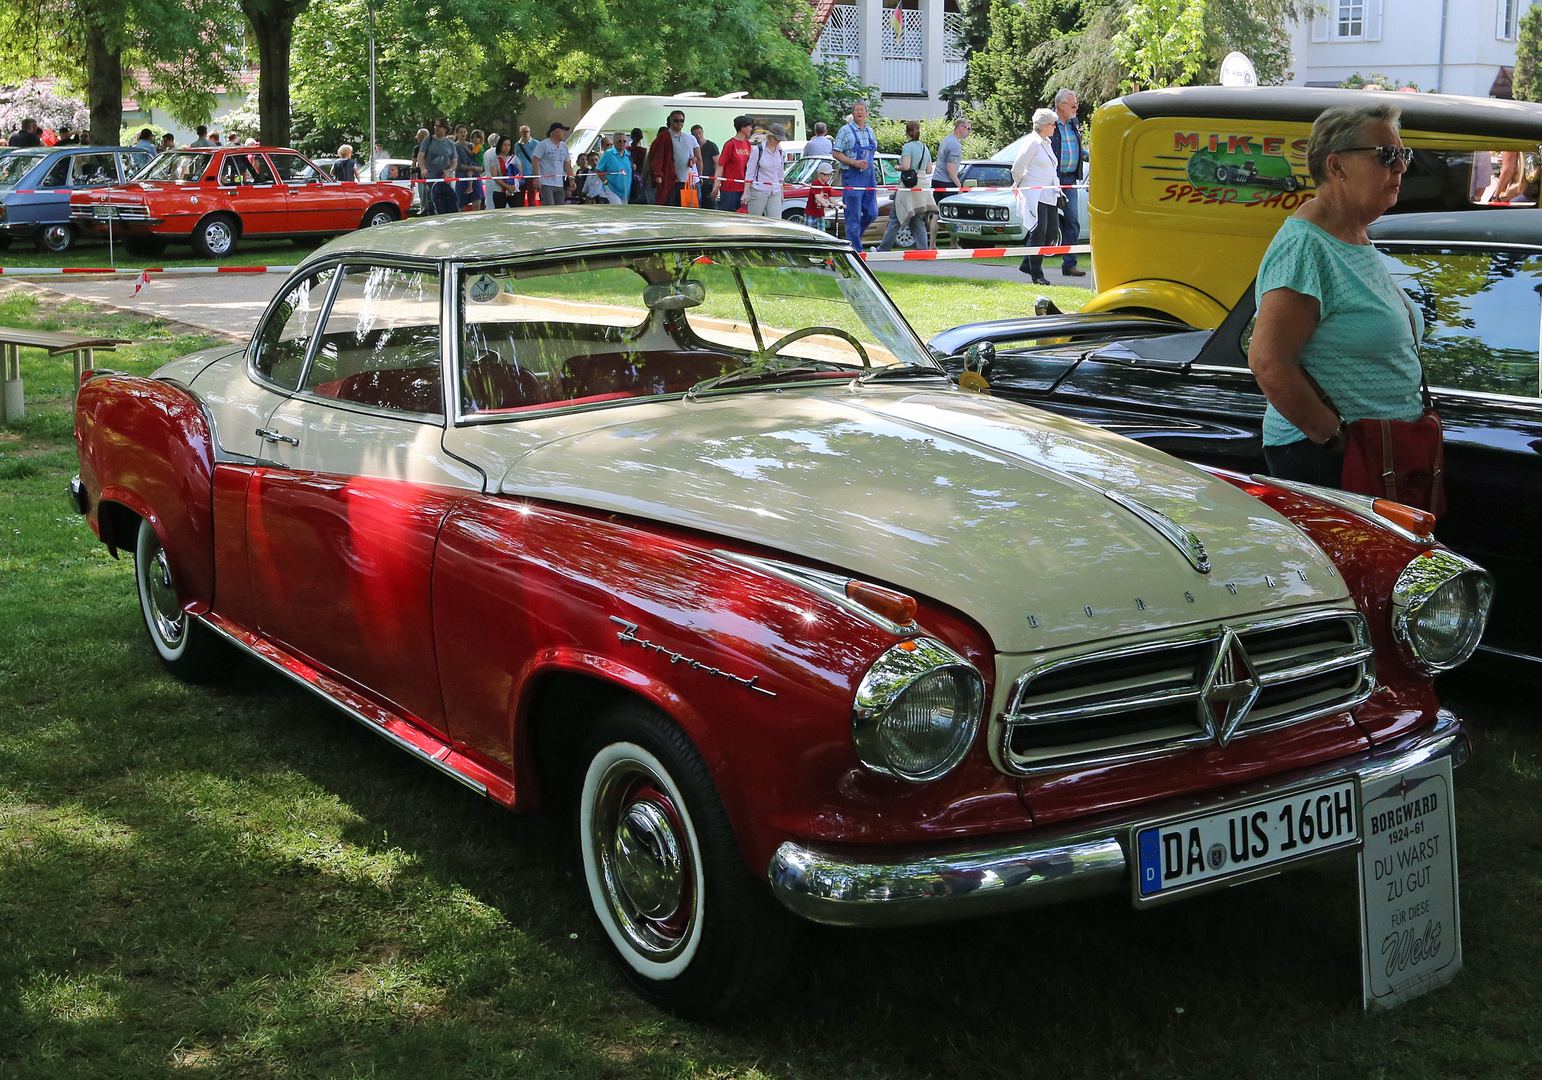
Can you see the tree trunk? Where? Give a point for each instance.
(104, 87)
(273, 26)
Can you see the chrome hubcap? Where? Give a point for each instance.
(645, 861)
(170, 620)
(56, 236)
(218, 237)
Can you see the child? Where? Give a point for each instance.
(821, 197)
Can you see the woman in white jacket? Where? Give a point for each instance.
(1037, 186)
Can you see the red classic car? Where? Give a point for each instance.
(213, 197)
(667, 523)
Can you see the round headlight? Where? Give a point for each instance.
(1440, 608)
(917, 711)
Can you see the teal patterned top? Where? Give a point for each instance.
(1364, 352)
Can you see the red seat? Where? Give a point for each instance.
(414, 390)
(488, 383)
(638, 374)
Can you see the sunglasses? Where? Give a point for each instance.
(1386, 156)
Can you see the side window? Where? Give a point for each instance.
(294, 169)
(94, 170)
(132, 163)
(245, 169)
(890, 170)
(286, 336)
(58, 174)
(380, 343)
(1482, 316)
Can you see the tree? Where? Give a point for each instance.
(272, 24)
(972, 38)
(1011, 76)
(104, 38)
(1161, 43)
(1526, 84)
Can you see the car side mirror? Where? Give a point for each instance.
(981, 357)
(1045, 306)
(967, 184)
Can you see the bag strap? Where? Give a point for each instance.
(1424, 379)
(1388, 466)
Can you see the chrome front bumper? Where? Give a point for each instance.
(938, 884)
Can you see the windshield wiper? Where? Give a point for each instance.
(905, 371)
(759, 373)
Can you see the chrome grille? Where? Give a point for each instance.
(1141, 700)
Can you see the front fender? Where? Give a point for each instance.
(145, 445)
(1172, 298)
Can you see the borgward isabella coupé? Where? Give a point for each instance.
(665, 521)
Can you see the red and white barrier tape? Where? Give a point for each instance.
(977, 253)
(123, 271)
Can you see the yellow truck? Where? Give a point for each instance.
(1189, 185)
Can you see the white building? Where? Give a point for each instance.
(911, 57)
(1451, 46)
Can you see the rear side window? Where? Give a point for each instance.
(95, 170)
(286, 337)
(294, 169)
(245, 169)
(58, 174)
(1482, 315)
(380, 343)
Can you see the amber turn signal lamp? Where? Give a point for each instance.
(894, 606)
(1418, 522)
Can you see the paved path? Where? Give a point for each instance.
(232, 303)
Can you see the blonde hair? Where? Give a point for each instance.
(1339, 129)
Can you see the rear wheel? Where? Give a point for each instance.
(690, 929)
(213, 237)
(186, 647)
(795, 215)
(56, 237)
(380, 215)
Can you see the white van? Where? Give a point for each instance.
(714, 114)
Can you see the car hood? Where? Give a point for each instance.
(992, 507)
(998, 197)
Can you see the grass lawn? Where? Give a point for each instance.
(238, 881)
(935, 304)
(94, 253)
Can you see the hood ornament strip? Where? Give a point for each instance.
(1182, 539)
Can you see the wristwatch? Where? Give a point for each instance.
(1338, 440)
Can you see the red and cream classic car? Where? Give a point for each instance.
(666, 522)
(212, 197)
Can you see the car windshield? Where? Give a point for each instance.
(989, 176)
(183, 165)
(14, 166)
(607, 328)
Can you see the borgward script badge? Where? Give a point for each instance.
(1229, 691)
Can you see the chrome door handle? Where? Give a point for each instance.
(269, 435)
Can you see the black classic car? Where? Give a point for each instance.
(1477, 276)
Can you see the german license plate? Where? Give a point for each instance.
(967, 228)
(1247, 840)
(102, 211)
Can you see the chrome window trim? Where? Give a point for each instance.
(1486, 245)
(831, 587)
(908, 662)
(278, 298)
(1424, 575)
(428, 266)
(1012, 718)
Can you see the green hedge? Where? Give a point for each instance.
(891, 136)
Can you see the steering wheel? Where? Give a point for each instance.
(811, 331)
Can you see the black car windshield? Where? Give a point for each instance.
(605, 328)
(178, 167)
(14, 166)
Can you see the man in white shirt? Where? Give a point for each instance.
(553, 162)
(763, 175)
(687, 153)
(821, 144)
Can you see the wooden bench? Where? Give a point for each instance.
(13, 340)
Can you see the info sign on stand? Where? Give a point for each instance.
(1410, 918)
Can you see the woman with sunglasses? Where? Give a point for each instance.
(1328, 310)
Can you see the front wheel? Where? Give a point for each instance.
(56, 238)
(186, 647)
(380, 215)
(796, 216)
(691, 930)
(213, 237)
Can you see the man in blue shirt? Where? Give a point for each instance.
(856, 147)
(1070, 151)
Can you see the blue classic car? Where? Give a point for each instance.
(35, 186)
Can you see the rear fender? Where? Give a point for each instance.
(1174, 299)
(145, 445)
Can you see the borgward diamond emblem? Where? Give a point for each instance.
(1229, 691)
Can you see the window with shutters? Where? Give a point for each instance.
(1350, 20)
